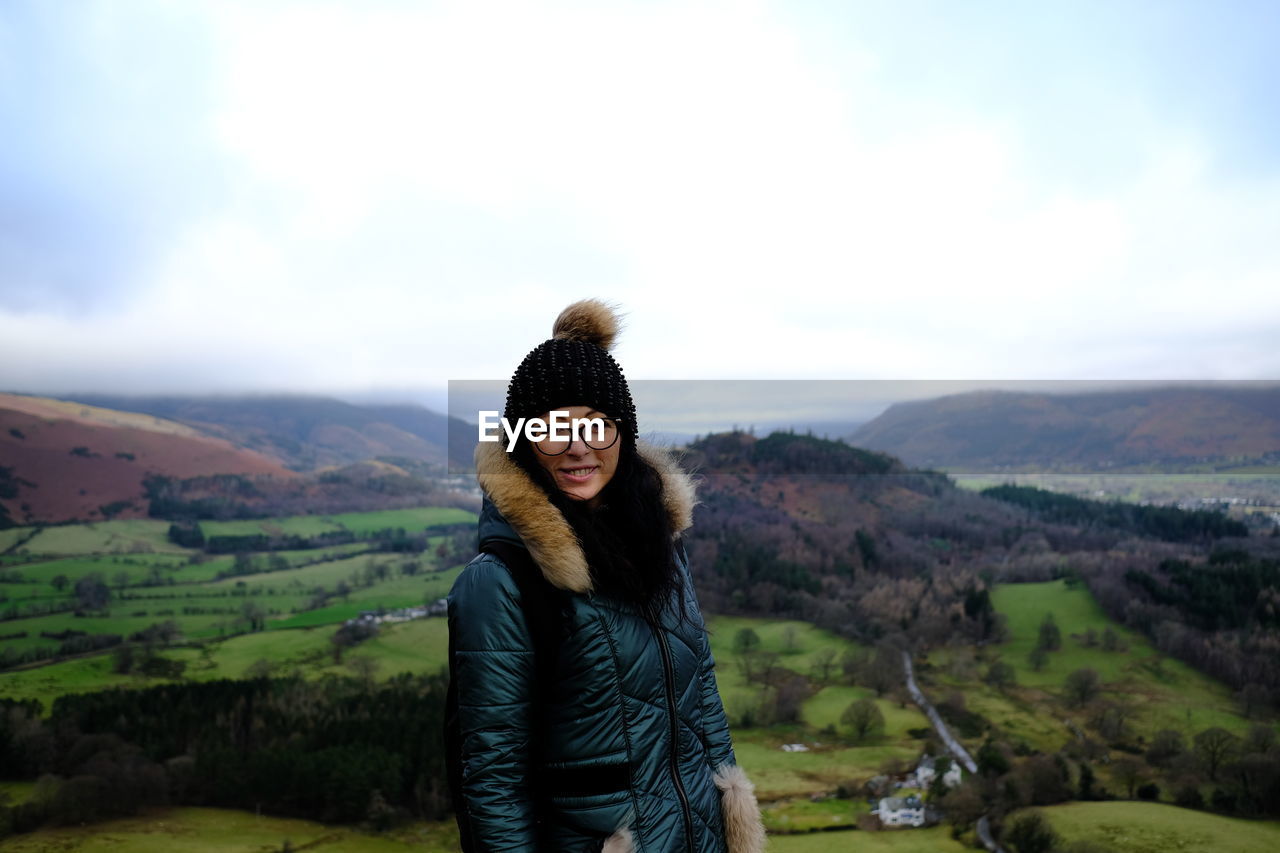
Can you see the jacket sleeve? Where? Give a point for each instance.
(715, 725)
(714, 722)
(744, 831)
(492, 662)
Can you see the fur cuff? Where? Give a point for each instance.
(743, 831)
(619, 842)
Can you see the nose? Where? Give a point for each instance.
(577, 448)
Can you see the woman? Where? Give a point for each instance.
(587, 715)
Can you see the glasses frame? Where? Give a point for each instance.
(617, 434)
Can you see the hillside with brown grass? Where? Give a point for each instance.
(65, 461)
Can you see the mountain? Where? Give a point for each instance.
(310, 432)
(1173, 428)
(61, 461)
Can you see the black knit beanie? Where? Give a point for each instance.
(574, 368)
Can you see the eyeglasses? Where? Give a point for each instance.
(598, 433)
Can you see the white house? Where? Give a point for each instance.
(900, 811)
(928, 771)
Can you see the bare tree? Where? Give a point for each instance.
(1214, 747)
(864, 717)
(1001, 675)
(1081, 686)
(824, 664)
(364, 667)
(1128, 772)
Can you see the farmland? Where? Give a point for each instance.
(215, 606)
(199, 830)
(1157, 692)
(275, 613)
(1130, 827)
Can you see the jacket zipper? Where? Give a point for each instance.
(669, 681)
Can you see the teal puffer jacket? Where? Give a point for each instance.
(617, 737)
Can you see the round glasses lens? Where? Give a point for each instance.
(597, 433)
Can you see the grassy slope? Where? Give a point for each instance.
(199, 830)
(415, 647)
(785, 780)
(412, 520)
(421, 646)
(12, 536)
(282, 594)
(418, 647)
(139, 566)
(105, 537)
(1133, 827)
(195, 830)
(16, 792)
(935, 840)
(1166, 693)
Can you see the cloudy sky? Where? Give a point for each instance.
(386, 196)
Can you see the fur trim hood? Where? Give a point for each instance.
(544, 529)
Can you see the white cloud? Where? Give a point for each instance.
(415, 191)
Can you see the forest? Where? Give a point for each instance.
(337, 749)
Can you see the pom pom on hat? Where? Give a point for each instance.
(588, 320)
(573, 368)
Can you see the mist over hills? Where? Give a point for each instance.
(103, 456)
(387, 449)
(305, 432)
(1169, 429)
(61, 461)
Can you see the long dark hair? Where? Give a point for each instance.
(627, 538)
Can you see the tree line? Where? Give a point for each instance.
(1161, 522)
(338, 749)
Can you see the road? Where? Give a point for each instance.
(953, 746)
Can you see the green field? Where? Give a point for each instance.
(786, 780)
(168, 568)
(420, 646)
(132, 536)
(1163, 693)
(209, 609)
(15, 792)
(412, 520)
(200, 830)
(1133, 827)
(806, 642)
(297, 525)
(1118, 827)
(12, 536)
(1168, 693)
(196, 830)
(934, 840)
(150, 585)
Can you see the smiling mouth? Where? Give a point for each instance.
(578, 475)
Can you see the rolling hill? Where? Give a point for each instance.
(61, 461)
(305, 432)
(1173, 428)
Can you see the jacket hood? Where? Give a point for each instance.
(517, 504)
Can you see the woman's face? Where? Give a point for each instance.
(581, 471)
